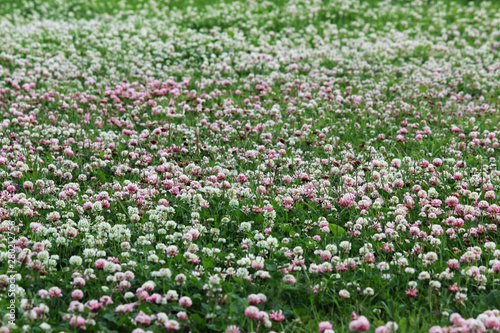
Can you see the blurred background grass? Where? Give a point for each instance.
(87, 9)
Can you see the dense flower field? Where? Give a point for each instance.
(249, 166)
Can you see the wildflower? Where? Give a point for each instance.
(325, 325)
(359, 324)
(185, 301)
(289, 279)
(251, 312)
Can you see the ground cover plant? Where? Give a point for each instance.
(249, 166)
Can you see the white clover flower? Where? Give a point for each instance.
(332, 248)
(368, 291)
(109, 267)
(245, 226)
(435, 284)
(75, 260)
(129, 295)
(45, 327)
(43, 256)
(490, 246)
(153, 258)
(345, 246)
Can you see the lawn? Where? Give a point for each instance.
(249, 166)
